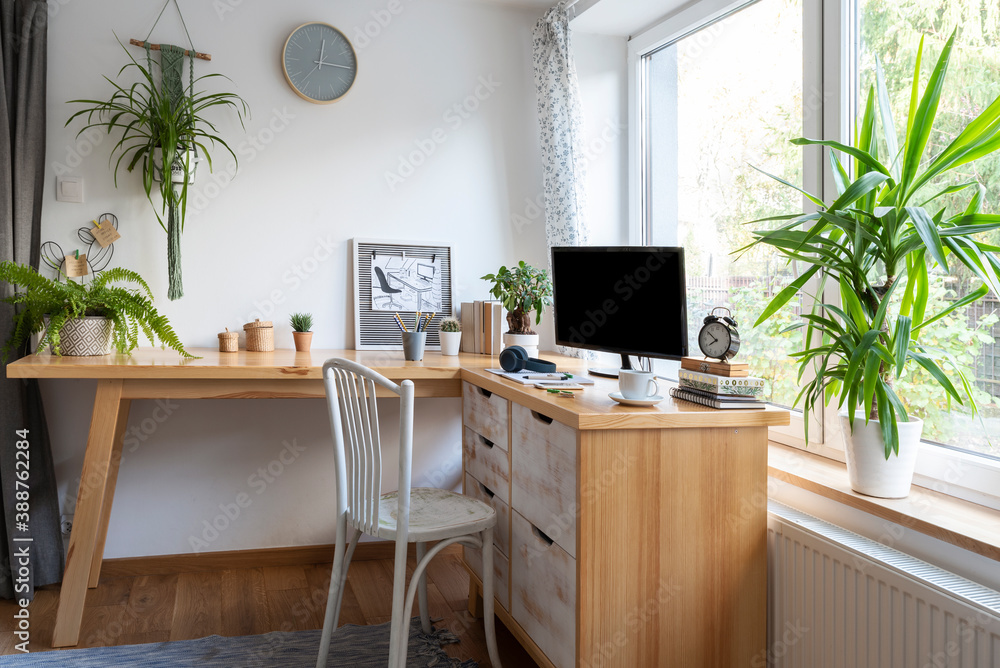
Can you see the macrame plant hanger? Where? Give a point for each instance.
(172, 85)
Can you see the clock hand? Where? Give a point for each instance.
(343, 67)
(322, 50)
(310, 72)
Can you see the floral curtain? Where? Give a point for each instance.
(560, 130)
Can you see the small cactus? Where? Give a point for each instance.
(451, 325)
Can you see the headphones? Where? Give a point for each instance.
(515, 358)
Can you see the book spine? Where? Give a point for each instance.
(680, 393)
(468, 328)
(721, 384)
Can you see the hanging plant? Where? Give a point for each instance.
(162, 134)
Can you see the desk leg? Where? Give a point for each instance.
(109, 492)
(89, 505)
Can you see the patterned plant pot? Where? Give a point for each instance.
(89, 335)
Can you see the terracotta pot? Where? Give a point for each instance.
(869, 471)
(303, 341)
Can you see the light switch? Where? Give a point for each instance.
(69, 189)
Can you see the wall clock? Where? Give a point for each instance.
(319, 63)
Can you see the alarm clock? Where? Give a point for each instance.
(719, 337)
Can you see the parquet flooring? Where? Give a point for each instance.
(155, 608)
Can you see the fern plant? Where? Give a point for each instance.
(130, 310)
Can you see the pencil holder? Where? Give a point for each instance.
(229, 342)
(260, 336)
(413, 345)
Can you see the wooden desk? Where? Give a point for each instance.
(157, 374)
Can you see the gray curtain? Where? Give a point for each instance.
(23, 31)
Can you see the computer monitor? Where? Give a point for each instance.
(425, 271)
(630, 300)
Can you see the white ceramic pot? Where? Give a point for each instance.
(177, 169)
(869, 471)
(89, 335)
(527, 341)
(450, 342)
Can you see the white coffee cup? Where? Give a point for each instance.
(637, 384)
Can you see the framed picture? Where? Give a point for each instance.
(403, 277)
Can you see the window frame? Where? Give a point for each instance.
(830, 73)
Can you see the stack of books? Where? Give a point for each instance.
(719, 391)
(483, 323)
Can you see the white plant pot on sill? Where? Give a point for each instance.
(177, 169)
(527, 341)
(869, 471)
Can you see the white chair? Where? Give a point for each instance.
(406, 516)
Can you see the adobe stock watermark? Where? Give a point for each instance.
(454, 118)
(791, 635)
(82, 146)
(534, 209)
(140, 432)
(259, 482)
(293, 277)
(207, 188)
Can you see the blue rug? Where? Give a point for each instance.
(351, 646)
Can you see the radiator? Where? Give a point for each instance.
(840, 600)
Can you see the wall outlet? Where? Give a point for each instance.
(65, 524)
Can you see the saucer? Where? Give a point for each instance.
(649, 401)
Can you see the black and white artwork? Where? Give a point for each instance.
(399, 277)
(401, 283)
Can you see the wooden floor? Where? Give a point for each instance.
(155, 608)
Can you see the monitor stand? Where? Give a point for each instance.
(609, 371)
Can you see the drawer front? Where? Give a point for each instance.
(543, 592)
(544, 475)
(501, 573)
(487, 462)
(486, 414)
(501, 533)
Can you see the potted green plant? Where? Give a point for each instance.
(302, 331)
(522, 290)
(451, 336)
(161, 136)
(879, 243)
(84, 319)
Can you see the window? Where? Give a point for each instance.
(719, 86)
(709, 113)
(891, 31)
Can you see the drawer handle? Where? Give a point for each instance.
(485, 490)
(487, 442)
(486, 393)
(541, 534)
(543, 418)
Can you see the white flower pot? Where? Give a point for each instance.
(89, 335)
(869, 471)
(527, 341)
(450, 342)
(177, 169)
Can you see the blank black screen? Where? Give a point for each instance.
(630, 300)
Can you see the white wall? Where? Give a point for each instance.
(275, 239)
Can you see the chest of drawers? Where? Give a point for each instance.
(625, 540)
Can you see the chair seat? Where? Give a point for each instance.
(435, 514)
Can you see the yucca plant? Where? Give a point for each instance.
(884, 234)
(42, 299)
(148, 120)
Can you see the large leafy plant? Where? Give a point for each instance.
(880, 241)
(158, 134)
(40, 299)
(521, 290)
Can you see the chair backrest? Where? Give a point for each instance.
(350, 393)
(383, 282)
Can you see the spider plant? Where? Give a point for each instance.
(148, 119)
(41, 298)
(885, 235)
